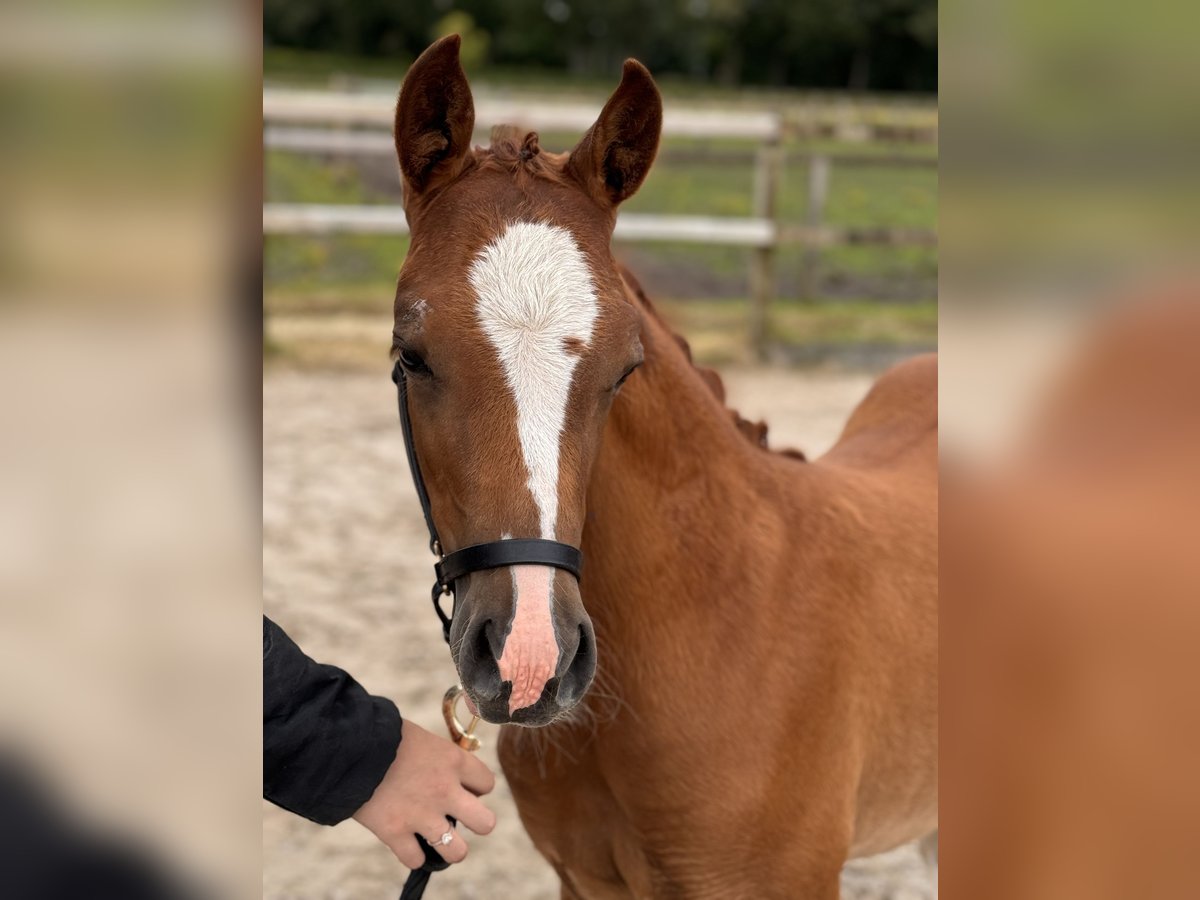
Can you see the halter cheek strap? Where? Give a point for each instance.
(491, 555)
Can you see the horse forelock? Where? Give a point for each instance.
(518, 152)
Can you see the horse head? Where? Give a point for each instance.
(515, 334)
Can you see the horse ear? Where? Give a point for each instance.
(435, 117)
(612, 160)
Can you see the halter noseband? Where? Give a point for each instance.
(491, 555)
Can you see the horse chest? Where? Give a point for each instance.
(575, 822)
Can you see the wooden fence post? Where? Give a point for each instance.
(767, 171)
(814, 218)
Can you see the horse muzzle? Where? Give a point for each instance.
(525, 654)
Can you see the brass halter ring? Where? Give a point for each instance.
(464, 737)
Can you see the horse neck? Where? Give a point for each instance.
(673, 481)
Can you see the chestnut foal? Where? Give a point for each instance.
(764, 628)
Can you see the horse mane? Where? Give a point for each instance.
(754, 432)
(516, 151)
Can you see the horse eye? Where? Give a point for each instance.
(628, 372)
(412, 362)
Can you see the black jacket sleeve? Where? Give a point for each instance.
(326, 742)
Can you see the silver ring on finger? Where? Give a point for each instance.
(444, 840)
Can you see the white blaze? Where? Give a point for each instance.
(534, 293)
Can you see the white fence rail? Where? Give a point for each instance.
(299, 218)
(378, 111)
(359, 121)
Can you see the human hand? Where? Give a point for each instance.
(431, 778)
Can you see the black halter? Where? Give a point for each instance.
(492, 555)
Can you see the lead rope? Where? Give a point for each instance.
(414, 887)
(448, 569)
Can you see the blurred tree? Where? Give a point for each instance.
(366, 27)
(475, 41)
(860, 44)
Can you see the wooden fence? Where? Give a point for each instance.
(291, 115)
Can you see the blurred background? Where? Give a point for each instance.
(791, 213)
(130, 580)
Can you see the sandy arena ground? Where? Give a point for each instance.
(346, 573)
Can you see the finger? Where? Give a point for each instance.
(452, 852)
(470, 811)
(408, 851)
(476, 777)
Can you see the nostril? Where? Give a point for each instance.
(578, 676)
(585, 643)
(477, 662)
(484, 645)
(484, 640)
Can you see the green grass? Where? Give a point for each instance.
(859, 195)
(353, 263)
(897, 196)
(293, 178)
(312, 68)
(717, 329)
